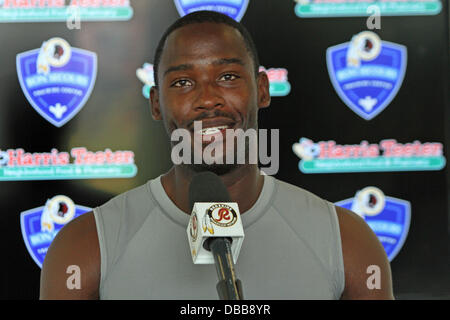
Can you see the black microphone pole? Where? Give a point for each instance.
(228, 287)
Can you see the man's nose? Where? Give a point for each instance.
(209, 97)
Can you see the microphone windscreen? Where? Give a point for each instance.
(207, 187)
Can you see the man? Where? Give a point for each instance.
(297, 246)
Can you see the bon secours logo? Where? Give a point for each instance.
(388, 155)
(60, 10)
(41, 225)
(232, 8)
(367, 72)
(388, 217)
(359, 8)
(57, 79)
(278, 79)
(16, 165)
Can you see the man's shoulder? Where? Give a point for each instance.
(315, 223)
(305, 211)
(120, 217)
(75, 245)
(131, 200)
(289, 192)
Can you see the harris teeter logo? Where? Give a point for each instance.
(232, 8)
(57, 79)
(41, 225)
(278, 81)
(62, 10)
(18, 165)
(362, 8)
(388, 155)
(388, 217)
(367, 72)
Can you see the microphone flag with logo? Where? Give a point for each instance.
(213, 216)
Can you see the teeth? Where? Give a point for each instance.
(212, 130)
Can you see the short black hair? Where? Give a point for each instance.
(201, 17)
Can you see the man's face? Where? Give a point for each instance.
(207, 74)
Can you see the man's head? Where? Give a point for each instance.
(206, 69)
(203, 17)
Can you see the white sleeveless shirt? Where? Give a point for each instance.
(291, 250)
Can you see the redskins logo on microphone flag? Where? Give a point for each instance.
(367, 72)
(219, 214)
(212, 220)
(194, 227)
(207, 224)
(222, 215)
(57, 79)
(388, 217)
(41, 225)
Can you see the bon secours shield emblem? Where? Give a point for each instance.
(41, 225)
(57, 79)
(367, 72)
(388, 217)
(232, 8)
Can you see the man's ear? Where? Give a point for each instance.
(154, 103)
(263, 90)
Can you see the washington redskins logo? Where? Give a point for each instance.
(55, 52)
(370, 201)
(222, 215)
(59, 209)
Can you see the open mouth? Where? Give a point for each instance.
(212, 130)
(214, 134)
(210, 127)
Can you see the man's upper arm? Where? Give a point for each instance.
(367, 268)
(74, 252)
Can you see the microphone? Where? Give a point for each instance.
(215, 231)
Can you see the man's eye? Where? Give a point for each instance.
(228, 77)
(182, 83)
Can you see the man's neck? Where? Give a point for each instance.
(244, 185)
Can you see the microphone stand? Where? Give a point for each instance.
(228, 287)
